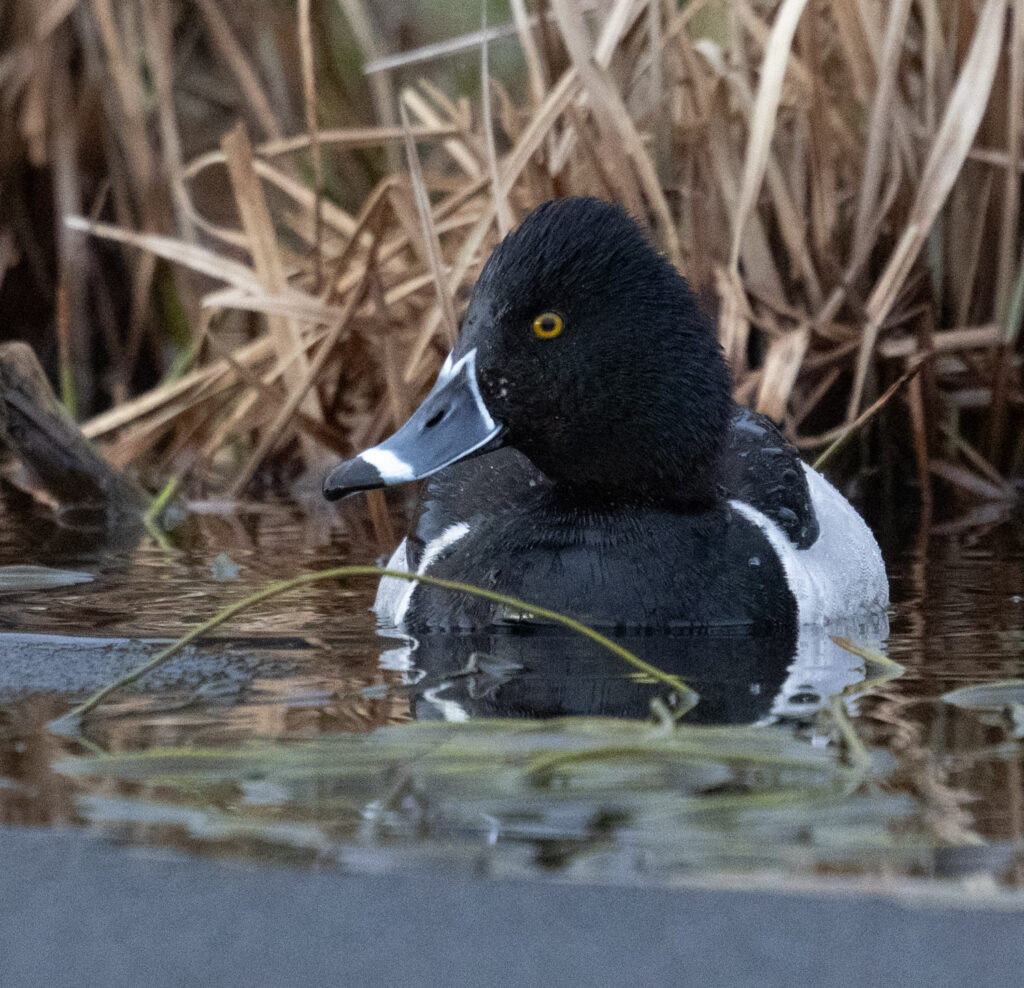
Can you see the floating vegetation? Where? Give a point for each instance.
(1004, 697)
(988, 696)
(26, 577)
(571, 794)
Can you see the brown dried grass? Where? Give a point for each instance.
(842, 175)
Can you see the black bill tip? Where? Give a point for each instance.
(351, 477)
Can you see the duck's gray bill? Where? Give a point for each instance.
(452, 423)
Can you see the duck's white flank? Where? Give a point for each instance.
(393, 595)
(842, 575)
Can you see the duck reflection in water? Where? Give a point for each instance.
(550, 672)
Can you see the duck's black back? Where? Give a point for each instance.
(762, 468)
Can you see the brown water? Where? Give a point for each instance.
(297, 732)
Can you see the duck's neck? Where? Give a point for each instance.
(611, 476)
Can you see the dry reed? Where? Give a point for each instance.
(842, 176)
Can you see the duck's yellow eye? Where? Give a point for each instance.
(547, 325)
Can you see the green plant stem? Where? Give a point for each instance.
(162, 500)
(856, 754)
(70, 721)
(1015, 309)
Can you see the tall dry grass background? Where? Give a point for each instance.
(247, 250)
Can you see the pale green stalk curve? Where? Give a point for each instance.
(73, 717)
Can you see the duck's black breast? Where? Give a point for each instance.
(630, 569)
(472, 492)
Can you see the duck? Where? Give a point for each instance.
(582, 451)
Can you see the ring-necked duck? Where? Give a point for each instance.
(585, 454)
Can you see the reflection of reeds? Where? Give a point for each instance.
(844, 176)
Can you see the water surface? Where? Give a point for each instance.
(299, 733)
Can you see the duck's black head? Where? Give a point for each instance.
(585, 349)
